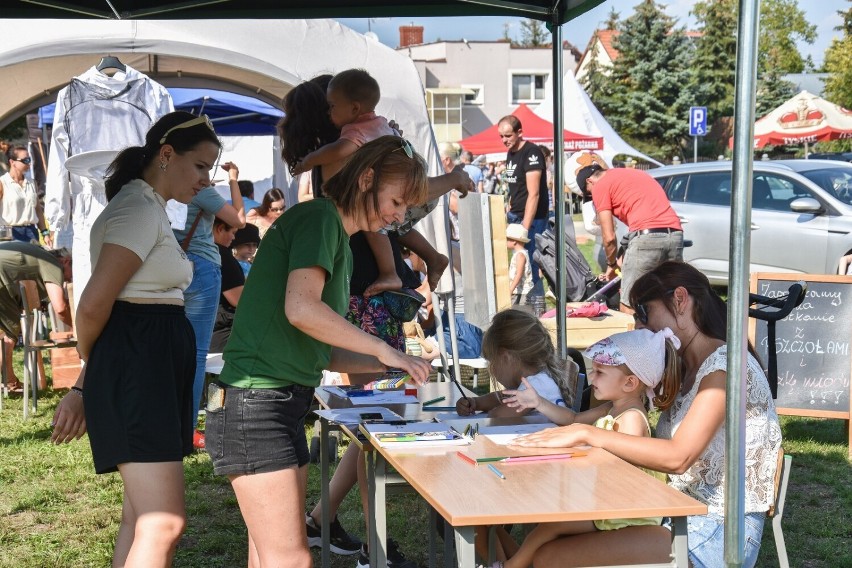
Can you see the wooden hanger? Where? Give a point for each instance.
(110, 62)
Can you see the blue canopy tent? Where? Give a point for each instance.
(232, 114)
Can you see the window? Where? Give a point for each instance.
(475, 96)
(710, 189)
(675, 187)
(528, 87)
(775, 193)
(836, 181)
(445, 113)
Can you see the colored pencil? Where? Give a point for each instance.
(544, 458)
(434, 400)
(466, 457)
(496, 471)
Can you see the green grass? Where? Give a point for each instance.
(55, 512)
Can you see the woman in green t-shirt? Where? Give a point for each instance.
(288, 328)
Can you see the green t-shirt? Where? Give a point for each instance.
(265, 350)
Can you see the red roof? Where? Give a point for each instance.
(535, 129)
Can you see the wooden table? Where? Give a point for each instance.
(411, 411)
(596, 486)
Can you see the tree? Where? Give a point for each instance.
(596, 78)
(838, 65)
(533, 34)
(646, 99)
(506, 36)
(782, 24)
(772, 91)
(714, 66)
(611, 22)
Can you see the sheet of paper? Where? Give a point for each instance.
(415, 435)
(384, 397)
(353, 415)
(504, 435)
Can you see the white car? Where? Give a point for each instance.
(801, 218)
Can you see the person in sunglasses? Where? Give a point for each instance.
(271, 207)
(20, 207)
(690, 437)
(134, 394)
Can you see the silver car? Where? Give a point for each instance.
(801, 218)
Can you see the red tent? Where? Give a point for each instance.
(535, 129)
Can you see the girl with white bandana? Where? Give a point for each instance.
(628, 370)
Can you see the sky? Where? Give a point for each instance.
(822, 13)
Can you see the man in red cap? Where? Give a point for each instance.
(637, 200)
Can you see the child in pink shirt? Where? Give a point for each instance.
(352, 97)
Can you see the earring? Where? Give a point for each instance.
(163, 166)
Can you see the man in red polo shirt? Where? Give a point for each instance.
(636, 199)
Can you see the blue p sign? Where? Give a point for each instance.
(697, 121)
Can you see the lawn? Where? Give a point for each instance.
(54, 512)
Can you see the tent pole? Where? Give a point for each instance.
(739, 254)
(558, 184)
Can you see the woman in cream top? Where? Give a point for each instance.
(134, 395)
(19, 206)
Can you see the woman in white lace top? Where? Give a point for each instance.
(690, 442)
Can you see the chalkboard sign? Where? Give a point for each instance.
(812, 343)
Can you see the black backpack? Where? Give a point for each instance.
(580, 282)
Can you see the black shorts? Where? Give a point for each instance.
(258, 430)
(138, 387)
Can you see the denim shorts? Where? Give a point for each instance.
(707, 539)
(646, 252)
(258, 430)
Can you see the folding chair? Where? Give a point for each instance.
(776, 512)
(34, 331)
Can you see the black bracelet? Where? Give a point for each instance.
(78, 390)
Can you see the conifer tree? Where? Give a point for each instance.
(646, 98)
(715, 61)
(533, 34)
(596, 78)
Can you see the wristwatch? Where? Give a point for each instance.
(612, 264)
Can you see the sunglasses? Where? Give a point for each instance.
(406, 147)
(640, 315)
(203, 119)
(27, 161)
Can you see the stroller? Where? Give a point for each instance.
(581, 284)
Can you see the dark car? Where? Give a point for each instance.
(842, 156)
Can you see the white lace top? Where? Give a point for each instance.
(705, 479)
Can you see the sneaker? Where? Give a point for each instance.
(396, 559)
(340, 542)
(198, 440)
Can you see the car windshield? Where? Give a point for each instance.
(836, 181)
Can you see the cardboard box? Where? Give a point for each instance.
(583, 332)
(65, 365)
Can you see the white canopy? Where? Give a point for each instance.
(260, 58)
(583, 117)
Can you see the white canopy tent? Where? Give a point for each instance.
(260, 58)
(583, 117)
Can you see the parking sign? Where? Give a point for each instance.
(697, 121)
